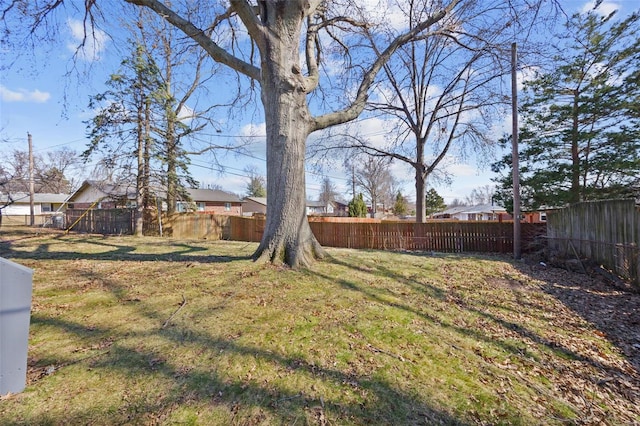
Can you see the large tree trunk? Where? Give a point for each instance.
(421, 214)
(287, 236)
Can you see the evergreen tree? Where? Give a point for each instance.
(580, 138)
(256, 187)
(433, 202)
(400, 207)
(357, 207)
(122, 130)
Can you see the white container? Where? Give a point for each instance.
(16, 284)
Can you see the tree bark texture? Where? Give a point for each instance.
(287, 236)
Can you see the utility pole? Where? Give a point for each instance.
(32, 219)
(517, 231)
(353, 181)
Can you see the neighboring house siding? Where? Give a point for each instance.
(107, 196)
(43, 204)
(87, 197)
(20, 209)
(231, 209)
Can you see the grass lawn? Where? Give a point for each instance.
(129, 330)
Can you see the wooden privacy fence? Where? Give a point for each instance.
(207, 226)
(607, 232)
(491, 237)
(101, 221)
(444, 236)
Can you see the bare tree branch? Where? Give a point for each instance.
(200, 36)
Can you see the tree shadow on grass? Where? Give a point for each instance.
(117, 250)
(438, 293)
(615, 313)
(244, 401)
(136, 355)
(615, 316)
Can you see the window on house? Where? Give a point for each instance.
(543, 216)
(227, 206)
(46, 207)
(181, 207)
(201, 206)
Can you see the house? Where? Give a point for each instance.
(258, 205)
(102, 195)
(340, 208)
(211, 201)
(319, 208)
(479, 212)
(19, 203)
(254, 205)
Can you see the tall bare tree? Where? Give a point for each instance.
(442, 94)
(481, 195)
(52, 172)
(374, 178)
(182, 116)
(328, 192)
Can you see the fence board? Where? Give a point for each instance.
(607, 232)
(102, 221)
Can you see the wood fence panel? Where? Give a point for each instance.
(446, 236)
(200, 225)
(451, 237)
(607, 232)
(246, 228)
(102, 221)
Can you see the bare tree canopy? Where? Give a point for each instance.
(51, 173)
(442, 94)
(373, 176)
(328, 192)
(315, 62)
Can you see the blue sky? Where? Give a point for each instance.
(37, 97)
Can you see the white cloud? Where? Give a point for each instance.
(254, 130)
(23, 95)
(186, 114)
(605, 8)
(385, 11)
(88, 43)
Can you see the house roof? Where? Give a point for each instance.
(107, 188)
(122, 190)
(212, 195)
(259, 200)
(480, 208)
(311, 203)
(23, 197)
